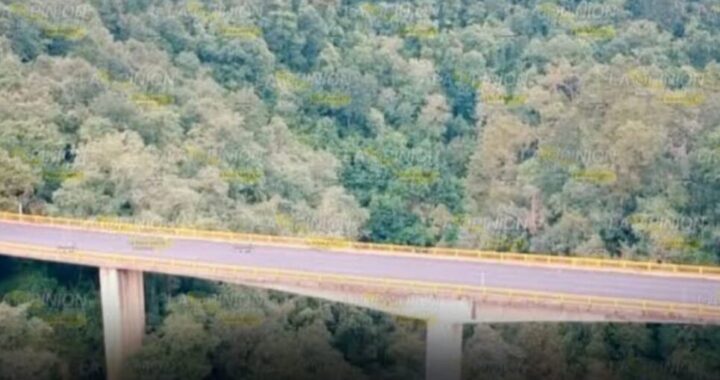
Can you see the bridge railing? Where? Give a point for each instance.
(360, 247)
(677, 311)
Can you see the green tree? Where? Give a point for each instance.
(23, 346)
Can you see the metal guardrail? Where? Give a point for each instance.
(340, 244)
(671, 310)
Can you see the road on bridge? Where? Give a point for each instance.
(577, 281)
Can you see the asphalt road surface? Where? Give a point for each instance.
(521, 277)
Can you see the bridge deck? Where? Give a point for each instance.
(462, 272)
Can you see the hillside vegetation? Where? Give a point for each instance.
(561, 127)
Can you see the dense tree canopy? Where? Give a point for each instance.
(555, 126)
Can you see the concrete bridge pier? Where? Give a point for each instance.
(123, 309)
(443, 350)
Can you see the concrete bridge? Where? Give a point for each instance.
(445, 287)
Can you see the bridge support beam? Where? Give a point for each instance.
(443, 352)
(123, 309)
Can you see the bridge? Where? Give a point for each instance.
(446, 287)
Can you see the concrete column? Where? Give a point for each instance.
(443, 353)
(123, 308)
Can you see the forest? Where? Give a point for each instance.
(573, 128)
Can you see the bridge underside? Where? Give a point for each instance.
(445, 317)
(468, 310)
